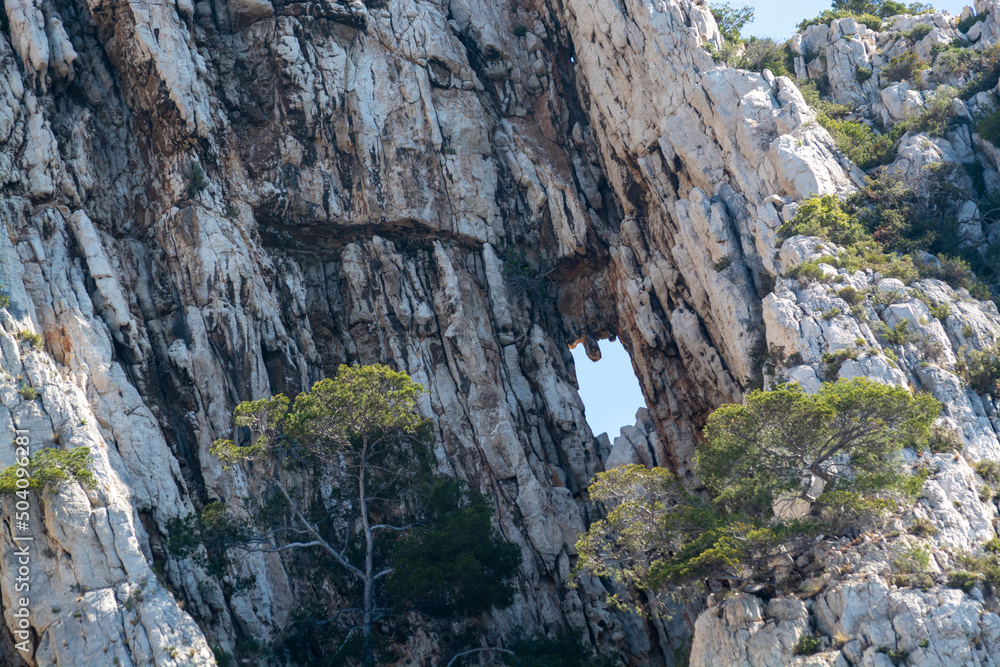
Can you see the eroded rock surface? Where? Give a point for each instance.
(210, 202)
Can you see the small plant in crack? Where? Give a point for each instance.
(33, 339)
(526, 275)
(195, 180)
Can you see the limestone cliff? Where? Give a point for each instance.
(215, 201)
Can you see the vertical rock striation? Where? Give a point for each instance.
(210, 202)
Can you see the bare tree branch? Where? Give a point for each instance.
(478, 650)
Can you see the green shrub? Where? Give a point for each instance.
(850, 295)
(899, 334)
(989, 128)
(883, 219)
(825, 17)
(49, 466)
(723, 264)
(912, 486)
(808, 645)
(760, 53)
(977, 174)
(566, 649)
(859, 142)
(831, 313)
(28, 393)
(981, 368)
(828, 16)
(806, 272)
(918, 32)
(520, 30)
(905, 67)
(988, 470)
(458, 565)
(965, 24)
(943, 440)
(902, 221)
(223, 658)
(985, 493)
(870, 21)
(900, 268)
(921, 580)
(862, 145)
(195, 180)
(935, 117)
(728, 54)
(941, 311)
(862, 74)
(823, 217)
(896, 656)
(984, 66)
(214, 529)
(4, 296)
(992, 545)
(986, 566)
(964, 581)
(953, 270)
(528, 276)
(33, 339)
(910, 560)
(922, 527)
(833, 361)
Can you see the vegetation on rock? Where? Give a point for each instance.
(773, 447)
(869, 12)
(882, 224)
(47, 468)
(367, 505)
(731, 20)
(981, 368)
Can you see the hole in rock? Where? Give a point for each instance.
(609, 388)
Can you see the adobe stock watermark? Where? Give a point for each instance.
(23, 539)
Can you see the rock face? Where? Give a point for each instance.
(209, 202)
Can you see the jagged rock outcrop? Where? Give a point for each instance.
(210, 202)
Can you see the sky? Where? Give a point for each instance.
(778, 18)
(609, 388)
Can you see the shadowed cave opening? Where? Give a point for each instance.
(609, 388)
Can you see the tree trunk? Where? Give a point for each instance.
(369, 593)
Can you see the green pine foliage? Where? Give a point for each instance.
(731, 20)
(48, 468)
(656, 533)
(378, 525)
(457, 564)
(566, 649)
(989, 128)
(769, 445)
